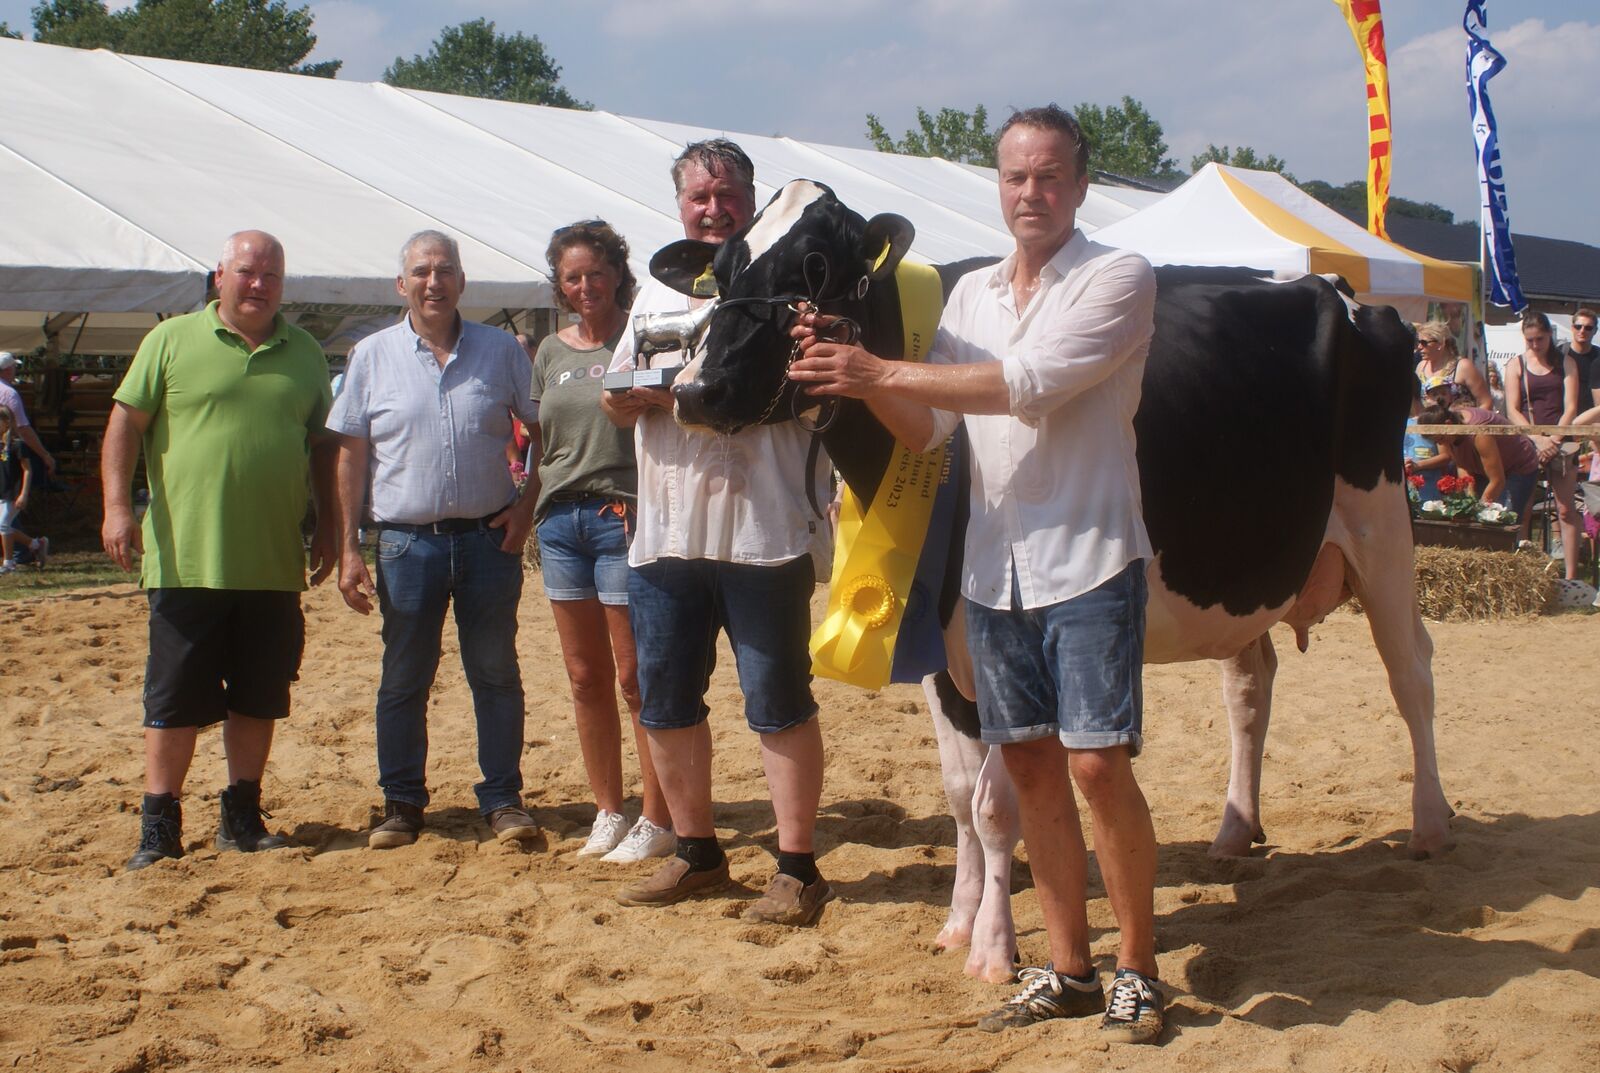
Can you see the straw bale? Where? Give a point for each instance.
(1462, 585)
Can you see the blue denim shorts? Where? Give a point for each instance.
(583, 549)
(679, 605)
(1073, 669)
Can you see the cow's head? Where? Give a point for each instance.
(803, 246)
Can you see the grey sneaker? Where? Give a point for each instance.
(1045, 994)
(1135, 1012)
(41, 552)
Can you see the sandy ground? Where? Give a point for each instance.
(1328, 951)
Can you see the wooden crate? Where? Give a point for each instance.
(1431, 532)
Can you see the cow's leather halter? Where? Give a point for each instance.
(840, 330)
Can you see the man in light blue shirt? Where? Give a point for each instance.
(423, 416)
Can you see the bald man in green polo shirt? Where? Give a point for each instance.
(228, 404)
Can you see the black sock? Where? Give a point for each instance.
(703, 854)
(156, 804)
(802, 866)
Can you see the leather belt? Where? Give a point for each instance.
(442, 527)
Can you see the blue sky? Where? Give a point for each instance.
(1281, 76)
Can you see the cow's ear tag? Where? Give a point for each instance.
(705, 284)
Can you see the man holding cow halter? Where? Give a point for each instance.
(1044, 356)
(726, 539)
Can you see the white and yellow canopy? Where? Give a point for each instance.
(1258, 219)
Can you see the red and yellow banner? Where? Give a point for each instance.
(1366, 26)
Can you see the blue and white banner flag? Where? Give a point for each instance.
(1483, 63)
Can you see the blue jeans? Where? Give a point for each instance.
(583, 549)
(418, 575)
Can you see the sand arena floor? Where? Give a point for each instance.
(1330, 950)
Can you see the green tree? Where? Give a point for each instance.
(1126, 140)
(473, 60)
(7, 31)
(266, 35)
(1242, 157)
(952, 134)
(1351, 200)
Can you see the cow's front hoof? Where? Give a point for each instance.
(1430, 824)
(1425, 845)
(1235, 838)
(955, 935)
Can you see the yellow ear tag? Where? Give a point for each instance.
(883, 255)
(704, 285)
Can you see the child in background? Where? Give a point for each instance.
(15, 480)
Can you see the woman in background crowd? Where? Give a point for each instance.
(1542, 389)
(1440, 369)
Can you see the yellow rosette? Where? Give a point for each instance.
(876, 549)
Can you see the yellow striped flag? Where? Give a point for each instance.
(1366, 26)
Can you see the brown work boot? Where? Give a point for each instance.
(673, 882)
(788, 901)
(512, 824)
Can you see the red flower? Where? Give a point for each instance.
(1466, 483)
(1417, 480)
(1447, 485)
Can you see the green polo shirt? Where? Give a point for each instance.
(226, 452)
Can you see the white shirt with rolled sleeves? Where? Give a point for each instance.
(733, 499)
(438, 435)
(1055, 484)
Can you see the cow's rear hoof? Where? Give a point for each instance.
(992, 969)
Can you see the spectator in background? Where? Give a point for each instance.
(16, 480)
(1441, 369)
(11, 400)
(1506, 468)
(1497, 388)
(587, 484)
(1542, 389)
(1582, 351)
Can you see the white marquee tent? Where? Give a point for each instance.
(125, 173)
(1258, 219)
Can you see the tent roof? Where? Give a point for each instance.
(1258, 219)
(133, 170)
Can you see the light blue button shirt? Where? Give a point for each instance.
(438, 435)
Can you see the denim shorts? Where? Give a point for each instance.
(1072, 669)
(679, 605)
(583, 549)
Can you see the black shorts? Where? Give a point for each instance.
(215, 651)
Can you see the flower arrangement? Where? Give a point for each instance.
(1460, 503)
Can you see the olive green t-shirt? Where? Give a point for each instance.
(226, 452)
(582, 450)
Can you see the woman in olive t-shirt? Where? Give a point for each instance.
(587, 482)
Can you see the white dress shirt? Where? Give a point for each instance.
(734, 499)
(1055, 485)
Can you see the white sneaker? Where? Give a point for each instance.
(646, 840)
(609, 829)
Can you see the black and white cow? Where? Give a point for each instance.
(1269, 450)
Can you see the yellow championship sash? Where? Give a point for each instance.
(876, 549)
